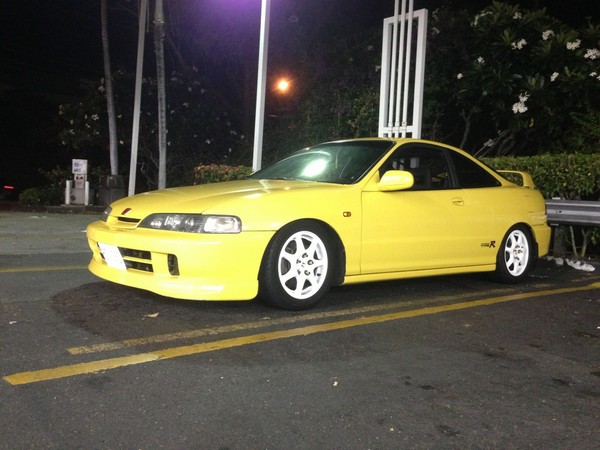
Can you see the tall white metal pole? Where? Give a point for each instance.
(263, 50)
(138, 97)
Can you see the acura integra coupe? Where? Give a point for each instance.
(343, 212)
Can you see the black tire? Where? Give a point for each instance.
(297, 267)
(516, 255)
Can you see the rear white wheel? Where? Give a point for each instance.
(515, 256)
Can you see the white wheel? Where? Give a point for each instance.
(296, 267)
(302, 265)
(515, 256)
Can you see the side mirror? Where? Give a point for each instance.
(395, 180)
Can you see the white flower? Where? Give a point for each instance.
(517, 15)
(186, 104)
(554, 76)
(574, 45)
(592, 53)
(95, 117)
(480, 60)
(207, 141)
(518, 45)
(547, 34)
(459, 76)
(101, 88)
(519, 107)
(121, 142)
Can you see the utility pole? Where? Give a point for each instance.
(135, 133)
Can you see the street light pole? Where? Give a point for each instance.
(259, 119)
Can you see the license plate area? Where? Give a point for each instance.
(112, 256)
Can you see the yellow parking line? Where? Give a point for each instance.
(41, 269)
(186, 350)
(238, 327)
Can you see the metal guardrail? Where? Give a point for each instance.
(573, 212)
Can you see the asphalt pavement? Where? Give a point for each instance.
(434, 363)
(28, 232)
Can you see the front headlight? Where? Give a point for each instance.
(193, 223)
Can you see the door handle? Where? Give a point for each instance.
(457, 201)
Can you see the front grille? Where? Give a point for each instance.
(136, 265)
(142, 260)
(138, 254)
(135, 259)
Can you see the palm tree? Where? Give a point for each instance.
(159, 37)
(110, 103)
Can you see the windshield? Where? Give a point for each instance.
(343, 162)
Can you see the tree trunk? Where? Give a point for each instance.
(159, 37)
(110, 103)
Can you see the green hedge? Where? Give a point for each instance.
(570, 176)
(214, 173)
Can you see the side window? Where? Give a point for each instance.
(471, 175)
(427, 165)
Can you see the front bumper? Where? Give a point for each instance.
(182, 265)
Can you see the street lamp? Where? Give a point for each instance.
(282, 86)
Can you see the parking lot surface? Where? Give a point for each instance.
(451, 362)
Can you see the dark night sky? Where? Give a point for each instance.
(50, 45)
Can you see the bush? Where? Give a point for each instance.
(570, 176)
(30, 197)
(214, 173)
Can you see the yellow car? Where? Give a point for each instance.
(343, 212)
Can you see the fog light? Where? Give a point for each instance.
(173, 265)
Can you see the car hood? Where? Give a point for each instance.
(232, 197)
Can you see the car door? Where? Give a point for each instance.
(433, 225)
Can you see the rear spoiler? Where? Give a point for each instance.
(518, 177)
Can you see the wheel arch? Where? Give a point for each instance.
(339, 252)
(531, 231)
